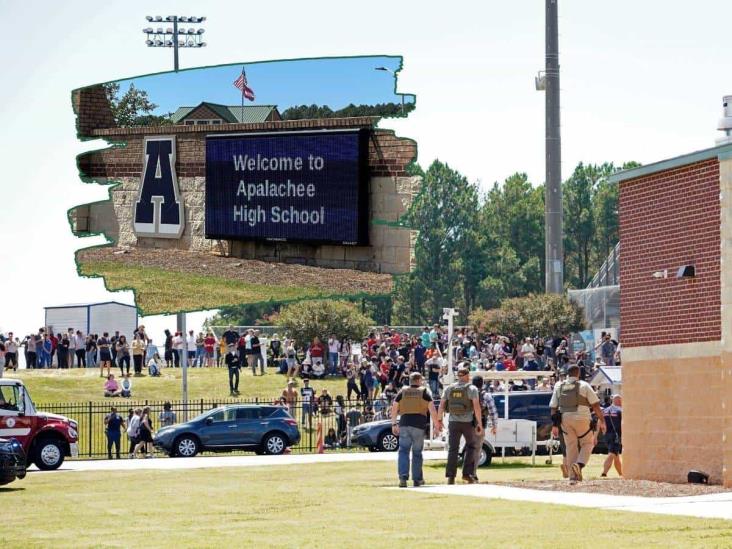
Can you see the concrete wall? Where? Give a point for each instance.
(673, 419)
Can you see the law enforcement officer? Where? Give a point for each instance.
(461, 401)
(613, 437)
(411, 406)
(487, 410)
(570, 405)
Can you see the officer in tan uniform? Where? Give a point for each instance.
(571, 403)
(461, 401)
(409, 421)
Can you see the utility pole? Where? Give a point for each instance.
(553, 218)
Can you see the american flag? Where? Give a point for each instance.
(242, 85)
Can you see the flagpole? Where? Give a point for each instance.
(241, 114)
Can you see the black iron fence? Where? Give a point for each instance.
(310, 417)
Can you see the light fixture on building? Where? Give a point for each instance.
(660, 274)
(686, 271)
(725, 123)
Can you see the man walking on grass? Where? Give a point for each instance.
(570, 406)
(409, 420)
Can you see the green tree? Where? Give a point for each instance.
(443, 212)
(535, 314)
(305, 320)
(605, 213)
(512, 222)
(133, 108)
(579, 222)
(298, 112)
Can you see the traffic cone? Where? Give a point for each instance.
(319, 438)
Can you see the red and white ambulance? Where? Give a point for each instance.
(46, 438)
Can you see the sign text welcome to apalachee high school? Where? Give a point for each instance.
(291, 187)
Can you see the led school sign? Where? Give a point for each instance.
(288, 186)
(158, 210)
(309, 186)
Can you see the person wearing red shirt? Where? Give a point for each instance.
(317, 350)
(370, 342)
(54, 345)
(209, 344)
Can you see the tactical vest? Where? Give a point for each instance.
(484, 413)
(413, 402)
(458, 401)
(570, 398)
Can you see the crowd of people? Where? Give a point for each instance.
(375, 368)
(139, 427)
(136, 351)
(378, 364)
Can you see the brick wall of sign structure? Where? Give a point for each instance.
(676, 333)
(669, 219)
(391, 191)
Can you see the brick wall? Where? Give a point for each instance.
(92, 110)
(669, 219)
(391, 192)
(389, 155)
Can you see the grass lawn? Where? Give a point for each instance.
(161, 291)
(83, 385)
(316, 505)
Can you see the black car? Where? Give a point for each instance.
(262, 429)
(12, 461)
(376, 436)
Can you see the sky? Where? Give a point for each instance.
(333, 82)
(640, 81)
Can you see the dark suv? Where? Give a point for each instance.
(12, 460)
(262, 429)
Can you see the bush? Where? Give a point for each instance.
(535, 314)
(307, 319)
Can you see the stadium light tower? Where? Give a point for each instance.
(387, 69)
(174, 37)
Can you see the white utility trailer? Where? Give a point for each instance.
(510, 433)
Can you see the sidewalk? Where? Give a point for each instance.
(706, 506)
(204, 462)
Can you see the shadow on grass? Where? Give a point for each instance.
(4, 489)
(494, 465)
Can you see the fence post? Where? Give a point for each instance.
(90, 429)
(310, 428)
(201, 405)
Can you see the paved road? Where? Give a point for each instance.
(204, 462)
(706, 506)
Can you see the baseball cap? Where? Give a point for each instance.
(463, 371)
(415, 377)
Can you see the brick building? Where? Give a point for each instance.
(213, 114)
(676, 326)
(390, 188)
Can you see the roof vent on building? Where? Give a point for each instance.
(725, 123)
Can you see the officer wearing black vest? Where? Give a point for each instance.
(570, 405)
(461, 401)
(412, 406)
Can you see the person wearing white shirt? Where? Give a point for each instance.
(191, 347)
(178, 347)
(333, 346)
